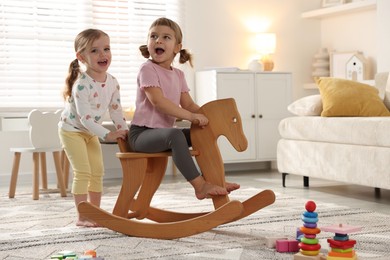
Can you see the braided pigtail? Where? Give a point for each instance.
(73, 73)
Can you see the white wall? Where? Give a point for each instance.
(383, 35)
(216, 33)
(218, 37)
(344, 34)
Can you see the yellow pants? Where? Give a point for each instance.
(85, 156)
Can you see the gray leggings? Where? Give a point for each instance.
(153, 140)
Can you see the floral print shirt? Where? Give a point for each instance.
(85, 109)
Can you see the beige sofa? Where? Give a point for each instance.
(353, 150)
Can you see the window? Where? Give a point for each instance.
(37, 38)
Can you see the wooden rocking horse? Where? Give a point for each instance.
(143, 173)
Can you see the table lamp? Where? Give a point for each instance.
(265, 44)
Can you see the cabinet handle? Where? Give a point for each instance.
(260, 116)
(253, 116)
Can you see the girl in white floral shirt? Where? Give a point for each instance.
(88, 96)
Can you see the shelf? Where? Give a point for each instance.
(341, 9)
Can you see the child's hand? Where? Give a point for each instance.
(113, 136)
(200, 119)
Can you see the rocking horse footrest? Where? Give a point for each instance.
(136, 155)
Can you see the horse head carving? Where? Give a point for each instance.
(224, 119)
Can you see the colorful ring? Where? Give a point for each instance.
(310, 214)
(310, 225)
(310, 236)
(309, 253)
(306, 247)
(341, 238)
(309, 220)
(309, 241)
(310, 231)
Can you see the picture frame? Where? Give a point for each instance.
(338, 61)
(328, 3)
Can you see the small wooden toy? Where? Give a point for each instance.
(341, 246)
(286, 245)
(90, 252)
(309, 244)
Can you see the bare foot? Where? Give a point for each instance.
(86, 223)
(209, 190)
(230, 186)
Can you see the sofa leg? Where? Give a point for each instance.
(305, 181)
(377, 192)
(284, 178)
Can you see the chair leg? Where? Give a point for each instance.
(14, 175)
(42, 156)
(65, 168)
(36, 176)
(60, 176)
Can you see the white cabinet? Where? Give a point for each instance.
(262, 100)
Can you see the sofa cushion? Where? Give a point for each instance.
(342, 97)
(307, 106)
(371, 131)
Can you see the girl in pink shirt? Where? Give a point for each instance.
(162, 96)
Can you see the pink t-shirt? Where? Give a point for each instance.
(172, 83)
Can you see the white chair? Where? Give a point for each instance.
(44, 138)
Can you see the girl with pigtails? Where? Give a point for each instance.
(162, 97)
(88, 96)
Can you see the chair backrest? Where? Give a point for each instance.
(44, 129)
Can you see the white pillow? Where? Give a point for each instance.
(307, 106)
(387, 93)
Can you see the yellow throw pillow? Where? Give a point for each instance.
(342, 97)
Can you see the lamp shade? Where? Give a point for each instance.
(265, 43)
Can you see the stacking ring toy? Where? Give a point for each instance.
(309, 241)
(309, 220)
(310, 231)
(310, 225)
(310, 236)
(309, 253)
(306, 247)
(310, 214)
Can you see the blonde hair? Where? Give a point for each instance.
(82, 41)
(185, 55)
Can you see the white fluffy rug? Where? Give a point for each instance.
(37, 229)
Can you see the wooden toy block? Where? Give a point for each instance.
(293, 245)
(90, 252)
(284, 245)
(342, 229)
(300, 256)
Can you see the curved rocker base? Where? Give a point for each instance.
(250, 206)
(171, 230)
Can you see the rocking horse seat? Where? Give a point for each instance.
(135, 155)
(143, 173)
